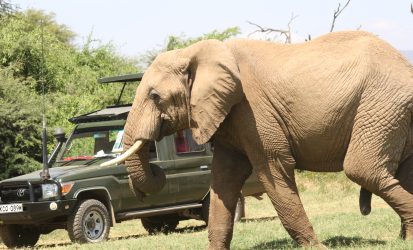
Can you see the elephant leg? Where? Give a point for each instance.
(279, 182)
(373, 158)
(404, 175)
(230, 169)
(274, 165)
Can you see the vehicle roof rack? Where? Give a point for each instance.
(123, 78)
(119, 112)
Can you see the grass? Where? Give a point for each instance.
(331, 202)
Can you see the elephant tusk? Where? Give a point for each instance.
(135, 147)
(118, 151)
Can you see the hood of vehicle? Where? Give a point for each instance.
(74, 170)
(54, 173)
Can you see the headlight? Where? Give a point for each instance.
(49, 191)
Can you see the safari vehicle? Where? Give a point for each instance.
(87, 199)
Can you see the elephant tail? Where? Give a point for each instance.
(365, 201)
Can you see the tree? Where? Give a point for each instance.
(287, 32)
(178, 42)
(70, 79)
(20, 122)
(283, 32)
(6, 8)
(337, 13)
(38, 18)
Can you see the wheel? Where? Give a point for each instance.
(239, 210)
(19, 235)
(89, 223)
(160, 224)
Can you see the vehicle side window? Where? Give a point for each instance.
(184, 143)
(118, 145)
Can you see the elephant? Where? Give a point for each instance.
(341, 102)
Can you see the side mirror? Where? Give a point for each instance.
(60, 135)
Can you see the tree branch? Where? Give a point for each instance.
(337, 13)
(286, 33)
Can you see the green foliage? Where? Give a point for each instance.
(178, 42)
(36, 18)
(20, 123)
(6, 8)
(69, 75)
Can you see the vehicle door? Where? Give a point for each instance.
(158, 156)
(189, 180)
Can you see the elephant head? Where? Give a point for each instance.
(195, 88)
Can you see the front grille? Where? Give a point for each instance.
(20, 193)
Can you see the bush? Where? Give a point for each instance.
(20, 123)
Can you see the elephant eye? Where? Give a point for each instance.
(153, 95)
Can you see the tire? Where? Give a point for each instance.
(239, 210)
(160, 224)
(14, 236)
(89, 223)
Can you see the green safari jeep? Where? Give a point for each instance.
(86, 199)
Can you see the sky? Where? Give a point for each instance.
(138, 26)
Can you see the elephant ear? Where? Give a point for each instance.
(216, 86)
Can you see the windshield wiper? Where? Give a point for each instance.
(98, 158)
(69, 161)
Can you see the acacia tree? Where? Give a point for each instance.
(287, 32)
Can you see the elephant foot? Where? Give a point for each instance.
(316, 245)
(219, 238)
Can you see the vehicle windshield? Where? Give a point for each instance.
(90, 143)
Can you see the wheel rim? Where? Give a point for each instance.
(93, 224)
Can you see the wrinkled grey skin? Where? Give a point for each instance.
(340, 102)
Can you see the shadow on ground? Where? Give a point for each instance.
(63, 244)
(343, 241)
(268, 218)
(277, 244)
(333, 242)
(191, 229)
(126, 237)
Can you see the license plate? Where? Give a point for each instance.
(11, 208)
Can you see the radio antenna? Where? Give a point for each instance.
(45, 173)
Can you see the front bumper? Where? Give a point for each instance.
(39, 212)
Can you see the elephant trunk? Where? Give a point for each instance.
(144, 177)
